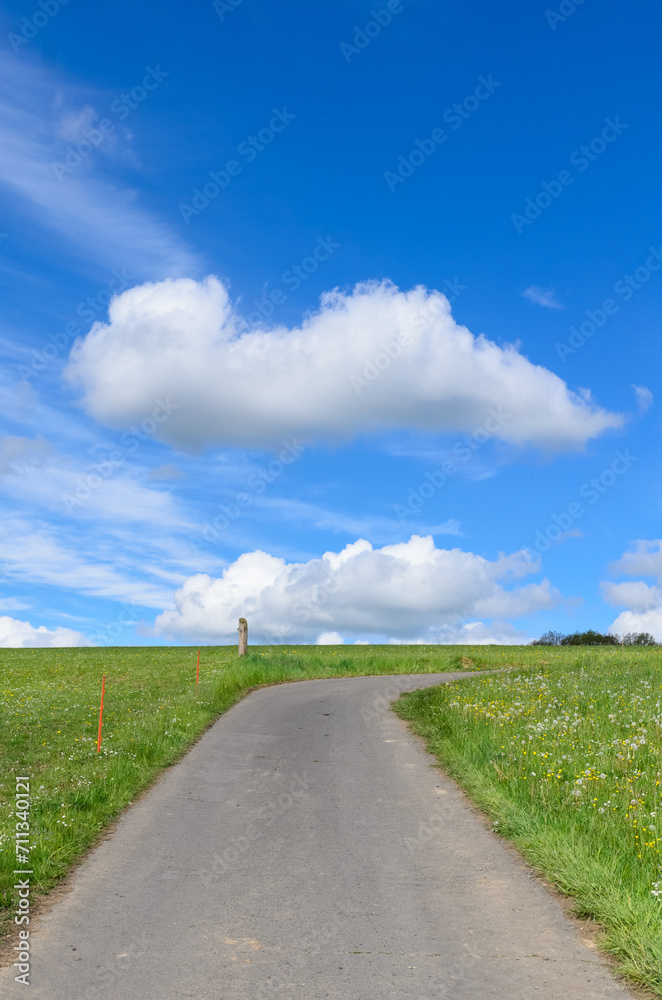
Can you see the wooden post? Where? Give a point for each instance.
(243, 636)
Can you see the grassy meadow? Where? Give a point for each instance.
(49, 710)
(562, 751)
(565, 758)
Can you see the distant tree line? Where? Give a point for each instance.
(592, 638)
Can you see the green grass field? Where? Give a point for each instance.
(49, 708)
(562, 752)
(565, 759)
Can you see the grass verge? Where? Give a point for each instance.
(566, 761)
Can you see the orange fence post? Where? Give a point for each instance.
(103, 688)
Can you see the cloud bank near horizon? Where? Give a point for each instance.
(642, 601)
(410, 591)
(16, 634)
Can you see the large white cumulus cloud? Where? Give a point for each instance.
(411, 590)
(18, 634)
(373, 359)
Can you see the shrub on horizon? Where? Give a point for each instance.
(592, 638)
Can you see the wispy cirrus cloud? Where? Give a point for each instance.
(644, 397)
(45, 554)
(39, 114)
(325, 519)
(16, 450)
(542, 297)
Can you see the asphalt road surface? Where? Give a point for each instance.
(307, 846)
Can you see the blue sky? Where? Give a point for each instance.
(384, 289)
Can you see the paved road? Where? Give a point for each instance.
(306, 847)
